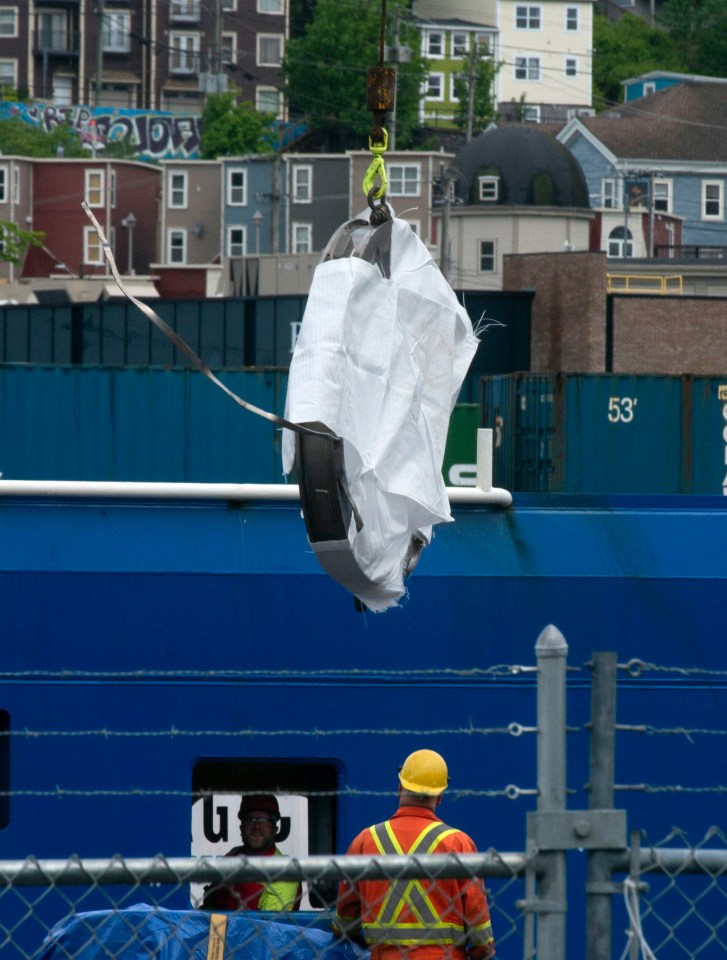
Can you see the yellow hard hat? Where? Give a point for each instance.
(424, 771)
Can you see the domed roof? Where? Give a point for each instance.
(531, 167)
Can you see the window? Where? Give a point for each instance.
(712, 202)
(527, 18)
(531, 113)
(92, 249)
(228, 51)
(116, 27)
(460, 45)
(236, 241)
(8, 73)
(184, 52)
(663, 196)
(489, 188)
(268, 100)
(302, 237)
(435, 44)
(649, 88)
(616, 245)
(270, 6)
(8, 22)
(269, 49)
(178, 190)
(571, 67)
(435, 86)
(487, 256)
(404, 179)
(3, 184)
(307, 794)
(177, 246)
(571, 18)
(229, 4)
(610, 195)
(94, 188)
(184, 10)
(302, 188)
(237, 187)
(52, 31)
(527, 68)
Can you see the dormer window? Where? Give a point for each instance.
(489, 189)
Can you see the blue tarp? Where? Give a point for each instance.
(148, 931)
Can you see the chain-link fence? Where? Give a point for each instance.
(672, 905)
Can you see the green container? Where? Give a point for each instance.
(460, 454)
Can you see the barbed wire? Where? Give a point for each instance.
(670, 731)
(511, 792)
(669, 788)
(512, 729)
(636, 667)
(362, 673)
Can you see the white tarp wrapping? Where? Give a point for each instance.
(380, 362)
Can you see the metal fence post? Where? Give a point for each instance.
(551, 652)
(599, 888)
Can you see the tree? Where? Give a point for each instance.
(232, 129)
(326, 70)
(698, 29)
(14, 242)
(21, 139)
(476, 79)
(627, 48)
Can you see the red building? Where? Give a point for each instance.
(124, 198)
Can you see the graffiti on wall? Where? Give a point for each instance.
(154, 134)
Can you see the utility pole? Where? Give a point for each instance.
(99, 51)
(444, 240)
(471, 90)
(217, 58)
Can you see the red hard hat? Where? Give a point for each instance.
(260, 801)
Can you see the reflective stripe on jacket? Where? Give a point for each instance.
(434, 918)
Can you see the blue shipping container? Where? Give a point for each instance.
(607, 433)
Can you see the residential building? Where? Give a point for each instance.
(16, 202)
(148, 54)
(450, 47)
(514, 190)
(123, 196)
(665, 157)
(544, 49)
(655, 80)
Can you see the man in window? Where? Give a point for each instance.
(259, 817)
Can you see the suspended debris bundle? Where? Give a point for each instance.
(383, 349)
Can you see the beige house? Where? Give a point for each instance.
(514, 190)
(544, 48)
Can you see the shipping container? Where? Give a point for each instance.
(100, 423)
(607, 433)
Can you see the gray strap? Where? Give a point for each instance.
(184, 347)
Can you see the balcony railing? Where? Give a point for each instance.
(57, 42)
(188, 10)
(694, 252)
(643, 283)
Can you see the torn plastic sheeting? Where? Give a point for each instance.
(380, 362)
(145, 931)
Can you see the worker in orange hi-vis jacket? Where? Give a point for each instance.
(442, 919)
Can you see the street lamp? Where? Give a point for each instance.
(129, 222)
(257, 219)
